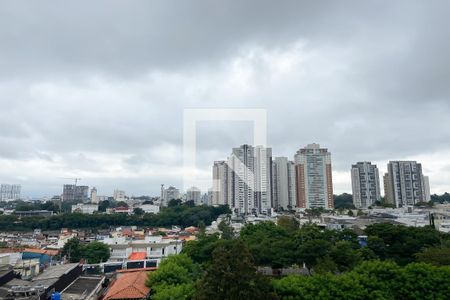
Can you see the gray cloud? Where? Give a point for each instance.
(98, 89)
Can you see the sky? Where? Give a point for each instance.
(97, 89)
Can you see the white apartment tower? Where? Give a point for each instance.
(283, 184)
(10, 192)
(405, 184)
(194, 194)
(221, 183)
(365, 184)
(94, 198)
(247, 180)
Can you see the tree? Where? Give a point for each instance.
(435, 256)
(370, 280)
(96, 252)
(288, 223)
(344, 256)
(174, 278)
(200, 251)
(350, 213)
(138, 211)
(103, 205)
(174, 202)
(232, 275)
(72, 250)
(344, 201)
(312, 250)
(226, 229)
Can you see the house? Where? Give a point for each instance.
(129, 285)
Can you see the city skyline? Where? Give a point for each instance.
(101, 95)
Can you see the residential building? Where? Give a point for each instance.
(168, 194)
(365, 184)
(150, 208)
(284, 188)
(94, 198)
(9, 192)
(119, 195)
(250, 180)
(84, 208)
(221, 183)
(426, 188)
(151, 248)
(75, 193)
(404, 183)
(314, 177)
(194, 194)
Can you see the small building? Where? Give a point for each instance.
(33, 213)
(83, 208)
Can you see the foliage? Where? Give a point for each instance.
(269, 244)
(201, 250)
(288, 223)
(95, 252)
(401, 243)
(226, 230)
(232, 275)
(436, 256)
(72, 250)
(344, 201)
(174, 278)
(441, 198)
(370, 280)
(181, 215)
(138, 211)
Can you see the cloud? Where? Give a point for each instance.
(97, 90)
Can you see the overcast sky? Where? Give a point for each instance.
(97, 89)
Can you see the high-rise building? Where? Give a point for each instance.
(221, 183)
(283, 183)
(245, 181)
(119, 195)
(171, 193)
(194, 194)
(314, 177)
(10, 192)
(365, 184)
(94, 198)
(263, 179)
(404, 183)
(426, 188)
(75, 193)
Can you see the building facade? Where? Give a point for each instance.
(314, 177)
(283, 184)
(10, 192)
(75, 193)
(194, 194)
(221, 183)
(404, 183)
(94, 198)
(250, 179)
(365, 184)
(168, 194)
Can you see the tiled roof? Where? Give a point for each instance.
(129, 286)
(137, 256)
(42, 251)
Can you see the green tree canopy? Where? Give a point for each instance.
(232, 275)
